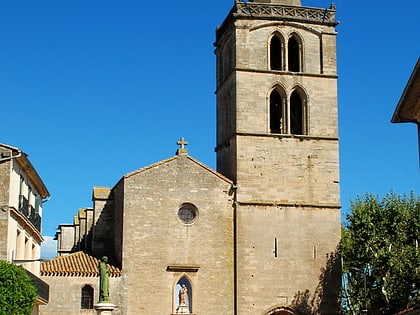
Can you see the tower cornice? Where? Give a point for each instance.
(271, 11)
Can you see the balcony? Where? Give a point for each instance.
(29, 212)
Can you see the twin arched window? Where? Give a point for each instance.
(288, 116)
(279, 51)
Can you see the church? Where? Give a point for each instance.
(257, 236)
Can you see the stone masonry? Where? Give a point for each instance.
(287, 199)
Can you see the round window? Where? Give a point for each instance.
(188, 213)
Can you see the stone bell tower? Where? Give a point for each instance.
(277, 138)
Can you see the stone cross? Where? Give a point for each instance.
(182, 150)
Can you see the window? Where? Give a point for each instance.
(188, 213)
(296, 114)
(276, 112)
(288, 116)
(285, 55)
(280, 311)
(276, 56)
(38, 203)
(293, 49)
(86, 301)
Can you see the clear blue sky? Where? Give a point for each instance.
(94, 89)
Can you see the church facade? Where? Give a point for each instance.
(260, 234)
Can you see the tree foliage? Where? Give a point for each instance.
(381, 254)
(17, 291)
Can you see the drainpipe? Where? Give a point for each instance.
(11, 157)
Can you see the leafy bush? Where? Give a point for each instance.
(17, 291)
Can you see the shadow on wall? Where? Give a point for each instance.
(327, 296)
(98, 239)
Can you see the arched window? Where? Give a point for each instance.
(296, 114)
(288, 115)
(280, 311)
(86, 301)
(276, 56)
(294, 54)
(276, 112)
(183, 296)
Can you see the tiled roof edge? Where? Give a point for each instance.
(79, 264)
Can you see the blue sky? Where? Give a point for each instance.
(92, 90)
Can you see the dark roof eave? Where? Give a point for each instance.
(397, 117)
(29, 169)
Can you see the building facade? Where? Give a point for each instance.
(22, 193)
(258, 236)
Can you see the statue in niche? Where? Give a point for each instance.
(183, 307)
(103, 281)
(183, 295)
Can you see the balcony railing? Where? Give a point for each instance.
(29, 212)
(249, 9)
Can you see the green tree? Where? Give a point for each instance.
(17, 291)
(381, 254)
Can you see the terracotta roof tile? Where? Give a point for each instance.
(79, 264)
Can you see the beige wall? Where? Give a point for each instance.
(65, 295)
(281, 254)
(288, 195)
(154, 238)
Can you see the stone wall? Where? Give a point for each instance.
(284, 255)
(159, 248)
(288, 171)
(288, 196)
(65, 295)
(103, 222)
(4, 208)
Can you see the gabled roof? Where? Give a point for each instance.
(207, 168)
(28, 168)
(79, 264)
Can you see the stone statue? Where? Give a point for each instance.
(183, 294)
(183, 301)
(103, 280)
